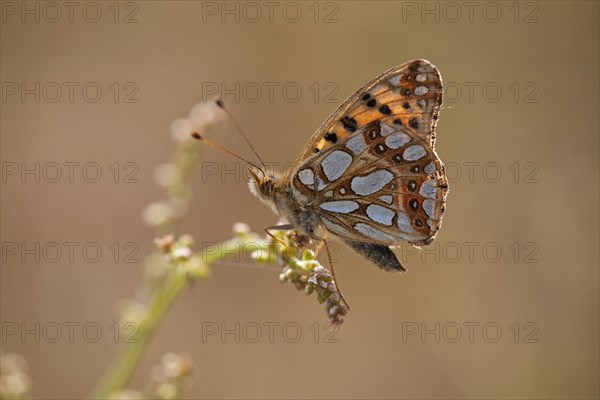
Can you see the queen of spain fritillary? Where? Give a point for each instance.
(370, 174)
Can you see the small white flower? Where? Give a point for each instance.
(156, 213)
(182, 253)
(204, 115)
(181, 129)
(240, 227)
(166, 174)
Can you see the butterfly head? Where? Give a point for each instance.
(261, 184)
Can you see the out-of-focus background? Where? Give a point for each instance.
(503, 305)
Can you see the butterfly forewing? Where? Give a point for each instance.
(371, 171)
(412, 92)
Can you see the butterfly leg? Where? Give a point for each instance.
(286, 227)
(323, 243)
(319, 247)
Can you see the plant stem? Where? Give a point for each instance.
(128, 357)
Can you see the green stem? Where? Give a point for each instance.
(122, 367)
(130, 353)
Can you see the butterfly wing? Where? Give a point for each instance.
(412, 92)
(371, 170)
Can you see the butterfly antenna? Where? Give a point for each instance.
(239, 129)
(212, 144)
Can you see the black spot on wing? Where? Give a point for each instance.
(331, 137)
(349, 123)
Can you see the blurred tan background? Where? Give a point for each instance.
(531, 115)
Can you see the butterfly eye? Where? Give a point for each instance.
(266, 186)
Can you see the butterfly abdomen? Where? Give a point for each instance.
(378, 254)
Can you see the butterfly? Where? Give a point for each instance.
(369, 175)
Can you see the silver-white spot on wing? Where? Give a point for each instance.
(336, 228)
(405, 225)
(397, 140)
(429, 207)
(340, 206)
(357, 144)
(373, 233)
(429, 189)
(421, 78)
(380, 214)
(430, 168)
(374, 182)
(387, 198)
(307, 176)
(414, 153)
(421, 90)
(407, 232)
(320, 184)
(395, 80)
(335, 164)
(385, 129)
